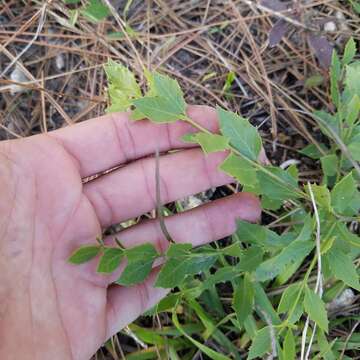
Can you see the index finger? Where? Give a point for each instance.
(111, 140)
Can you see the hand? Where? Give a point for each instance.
(50, 309)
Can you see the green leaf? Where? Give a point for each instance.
(329, 164)
(243, 298)
(110, 260)
(352, 78)
(122, 78)
(158, 109)
(230, 77)
(356, 6)
(354, 148)
(84, 254)
(292, 253)
(140, 259)
(239, 169)
(343, 192)
(263, 305)
(314, 81)
(284, 189)
(315, 308)
(259, 235)
(343, 268)
(346, 235)
(243, 136)
(95, 11)
(322, 196)
(214, 355)
(325, 348)
(349, 52)
(166, 87)
(181, 263)
(289, 346)
(261, 343)
(312, 151)
(208, 142)
(270, 204)
(250, 233)
(123, 87)
(335, 73)
(71, 2)
(288, 298)
(250, 258)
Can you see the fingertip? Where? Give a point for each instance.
(249, 206)
(204, 115)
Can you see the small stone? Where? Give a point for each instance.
(18, 76)
(330, 26)
(346, 298)
(60, 61)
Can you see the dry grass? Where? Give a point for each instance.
(198, 42)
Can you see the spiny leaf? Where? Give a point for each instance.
(243, 136)
(169, 88)
(239, 169)
(110, 260)
(123, 87)
(343, 268)
(158, 109)
(140, 259)
(84, 254)
(315, 308)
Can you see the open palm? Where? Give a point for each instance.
(50, 309)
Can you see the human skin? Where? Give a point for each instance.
(50, 309)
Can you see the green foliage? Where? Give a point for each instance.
(342, 268)
(139, 264)
(315, 308)
(261, 343)
(258, 261)
(110, 260)
(181, 262)
(289, 351)
(244, 299)
(274, 266)
(208, 142)
(122, 86)
(242, 135)
(84, 254)
(95, 11)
